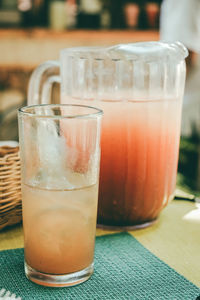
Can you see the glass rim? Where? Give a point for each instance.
(153, 49)
(82, 49)
(96, 111)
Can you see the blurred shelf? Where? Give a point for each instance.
(27, 48)
(85, 34)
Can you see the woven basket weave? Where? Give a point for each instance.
(10, 187)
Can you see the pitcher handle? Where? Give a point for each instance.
(39, 91)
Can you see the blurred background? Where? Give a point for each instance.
(33, 31)
(79, 14)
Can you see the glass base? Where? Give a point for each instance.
(53, 280)
(127, 228)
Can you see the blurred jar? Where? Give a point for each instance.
(105, 18)
(9, 15)
(131, 12)
(58, 15)
(152, 13)
(71, 8)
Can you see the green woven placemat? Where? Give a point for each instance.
(124, 270)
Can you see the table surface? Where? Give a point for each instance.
(175, 238)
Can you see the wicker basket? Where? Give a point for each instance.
(10, 187)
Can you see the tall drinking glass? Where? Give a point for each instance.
(60, 150)
(140, 88)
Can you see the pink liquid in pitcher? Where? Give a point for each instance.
(139, 144)
(139, 155)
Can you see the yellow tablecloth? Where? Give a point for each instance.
(175, 238)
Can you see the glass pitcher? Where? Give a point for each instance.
(140, 88)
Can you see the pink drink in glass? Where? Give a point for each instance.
(59, 228)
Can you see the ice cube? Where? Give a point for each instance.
(52, 157)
